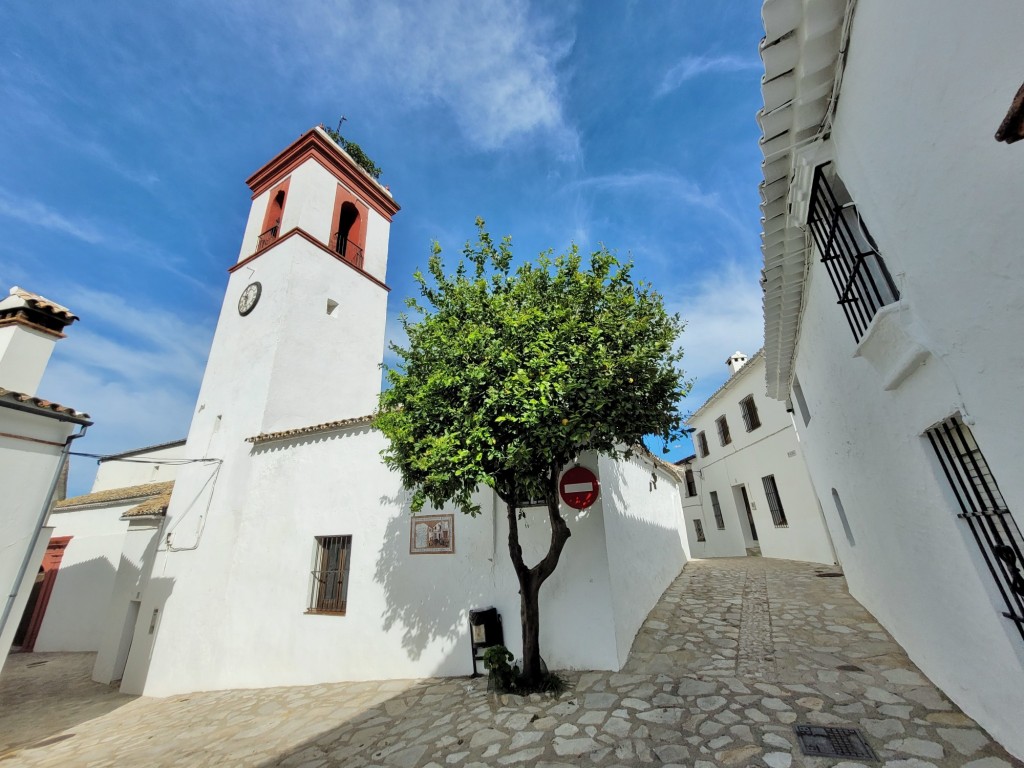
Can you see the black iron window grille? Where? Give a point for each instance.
(717, 509)
(771, 490)
(328, 591)
(691, 483)
(699, 527)
(750, 418)
(702, 443)
(858, 273)
(723, 430)
(984, 509)
(348, 250)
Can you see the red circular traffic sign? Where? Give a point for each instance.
(579, 487)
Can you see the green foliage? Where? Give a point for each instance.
(498, 663)
(503, 677)
(355, 152)
(510, 373)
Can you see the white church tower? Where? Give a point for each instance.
(299, 342)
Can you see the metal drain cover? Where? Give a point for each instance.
(833, 741)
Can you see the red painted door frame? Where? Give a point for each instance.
(51, 566)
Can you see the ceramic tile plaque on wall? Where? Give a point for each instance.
(432, 535)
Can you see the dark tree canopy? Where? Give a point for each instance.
(509, 375)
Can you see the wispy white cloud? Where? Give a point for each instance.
(722, 314)
(671, 185)
(135, 371)
(690, 67)
(491, 63)
(38, 214)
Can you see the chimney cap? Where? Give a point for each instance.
(19, 297)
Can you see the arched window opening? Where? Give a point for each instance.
(271, 229)
(344, 245)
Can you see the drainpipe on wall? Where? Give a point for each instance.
(43, 514)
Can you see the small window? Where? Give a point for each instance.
(798, 393)
(723, 430)
(771, 490)
(702, 443)
(698, 526)
(691, 484)
(749, 409)
(717, 509)
(328, 591)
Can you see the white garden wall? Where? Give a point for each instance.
(644, 535)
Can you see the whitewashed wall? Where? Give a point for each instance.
(940, 197)
(24, 353)
(407, 614)
(74, 619)
(120, 618)
(644, 535)
(135, 471)
(770, 449)
(27, 470)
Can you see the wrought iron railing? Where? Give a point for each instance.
(984, 509)
(858, 273)
(348, 250)
(268, 237)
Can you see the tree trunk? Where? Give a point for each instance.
(531, 579)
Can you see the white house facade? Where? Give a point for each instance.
(125, 497)
(35, 436)
(755, 492)
(894, 303)
(288, 555)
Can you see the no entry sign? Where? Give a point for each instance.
(579, 487)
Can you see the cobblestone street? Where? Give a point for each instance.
(736, 653)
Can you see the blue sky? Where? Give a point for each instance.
(128, 130)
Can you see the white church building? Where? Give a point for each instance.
(287, 554)
(894, 309)
(755, 495)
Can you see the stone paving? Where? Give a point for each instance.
(736, 652)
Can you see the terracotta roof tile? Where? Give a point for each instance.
(327, 426)
(154, 506)
(117, 494)
(36, 301)
(38, 402)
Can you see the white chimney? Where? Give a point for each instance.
(29, 327)
(736, 361)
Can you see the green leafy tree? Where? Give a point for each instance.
(509, 375)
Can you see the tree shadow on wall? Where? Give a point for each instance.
(429, 596)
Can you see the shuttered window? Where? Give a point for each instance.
(717, 509)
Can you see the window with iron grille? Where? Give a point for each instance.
(723, 430)
(750, 418)
(857, 271)
(771, 490)
(984, 510)
(717, 509)
(328, 591)
(691, 483)
(702, 444)
(699, 527)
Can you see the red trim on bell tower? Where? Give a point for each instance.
(317, 145)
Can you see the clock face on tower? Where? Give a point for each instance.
(247, 301)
